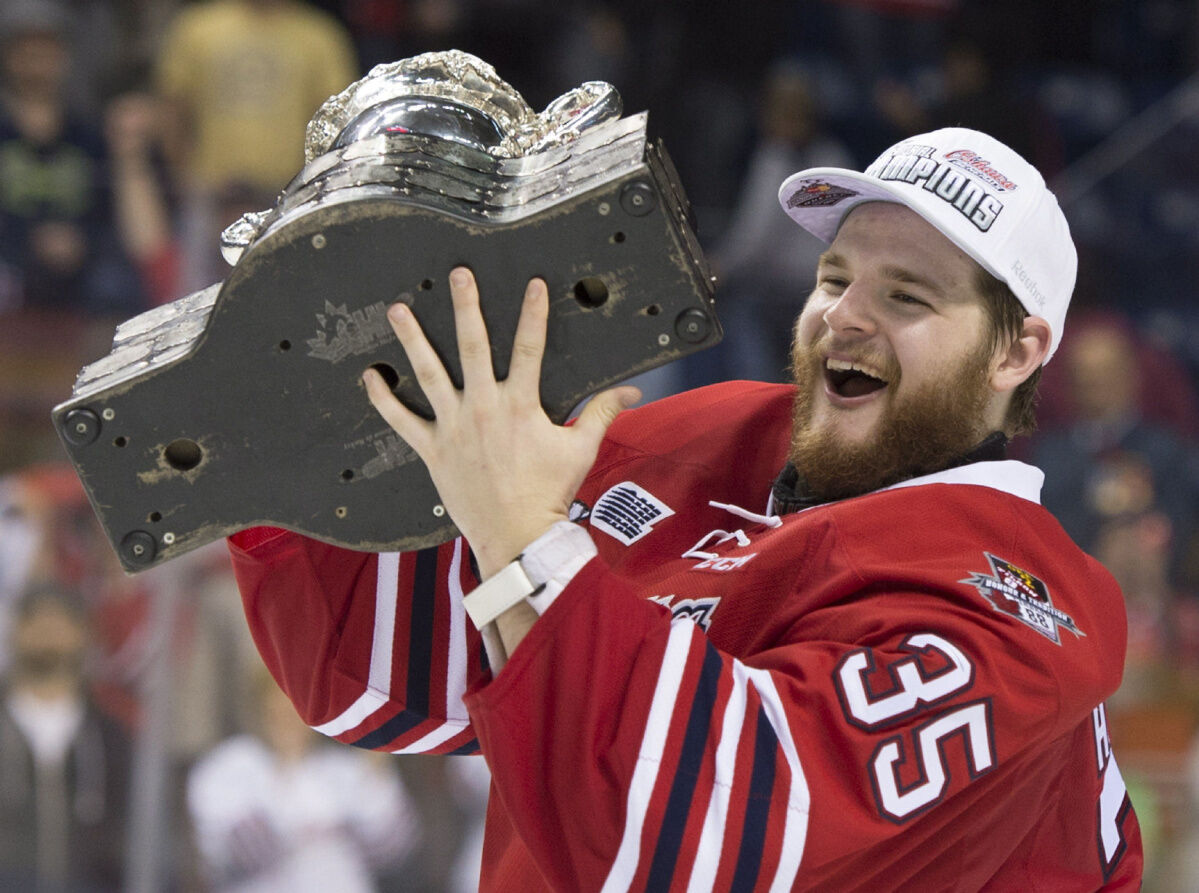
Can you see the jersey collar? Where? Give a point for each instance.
(1008, 476)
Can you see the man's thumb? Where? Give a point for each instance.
(602, 409)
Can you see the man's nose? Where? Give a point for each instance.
(851, 312)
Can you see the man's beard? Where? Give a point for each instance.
(926, 432)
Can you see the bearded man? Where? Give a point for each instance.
(819, 636)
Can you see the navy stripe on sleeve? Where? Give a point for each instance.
(757, 810)
(678, 805)
(420, 657)
(420, 635)
(402, 722)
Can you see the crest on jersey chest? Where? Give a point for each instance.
(1015, 591)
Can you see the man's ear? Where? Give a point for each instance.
(1022, 356)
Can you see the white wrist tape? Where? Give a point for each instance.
(498, 593)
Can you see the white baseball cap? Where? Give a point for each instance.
(979, 193)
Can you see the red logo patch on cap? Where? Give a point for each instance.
(969, 160)
(818, 194)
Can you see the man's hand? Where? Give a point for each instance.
(504, 471)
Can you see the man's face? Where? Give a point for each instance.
(49, 641)
(1104, 378)
(891, 356)
(35, 62)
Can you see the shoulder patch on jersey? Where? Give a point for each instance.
(1015, 591)
(579, 511)
(628, 512)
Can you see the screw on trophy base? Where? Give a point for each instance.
(242, 404)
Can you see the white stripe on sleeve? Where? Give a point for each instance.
(649, 758)
(435, 738)
(386, 593)
(711, 842)
(368, 702)
(795, 829)
(455, 684)
(378, 687)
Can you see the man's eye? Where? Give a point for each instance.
(835, 282)
(905, 298)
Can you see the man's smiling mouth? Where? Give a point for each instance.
(849, 379)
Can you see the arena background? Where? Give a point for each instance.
(131, 131)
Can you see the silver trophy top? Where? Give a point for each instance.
(440, 128)
(457, 97)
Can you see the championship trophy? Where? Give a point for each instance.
(242, 404)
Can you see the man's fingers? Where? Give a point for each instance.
(404, 421)
(474, 350)
(528, 347)
(602, 410)
(426, 364)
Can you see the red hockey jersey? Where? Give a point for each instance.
(901, 690)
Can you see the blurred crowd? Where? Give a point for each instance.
(143, 747)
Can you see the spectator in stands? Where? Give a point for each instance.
(763, 262)
(1166, 394)
(43, 538)
(242, 78)
(890, 37)
(1110, 461)
(970, 89)
(145, 206)
(594, 44)
(141, 195)
(1163, 652)
(19, 542)
(57, 249)
(1183, 868)
(387, 30)
(99, 51)
(64, 766)
(284, 810)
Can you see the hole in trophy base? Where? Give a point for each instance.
(591, 292)
(388, 373)
(183, 454)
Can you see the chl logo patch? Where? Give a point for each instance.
(628, 512)
(1015, 591)
(818, 194)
